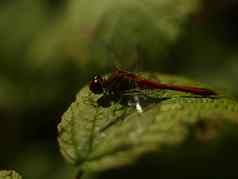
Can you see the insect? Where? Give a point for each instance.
(120, 81)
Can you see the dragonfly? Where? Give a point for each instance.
(121, 81)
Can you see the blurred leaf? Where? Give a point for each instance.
(43, 161)
(4, 174)
(19, 23)
(99, 139)
(100, 32)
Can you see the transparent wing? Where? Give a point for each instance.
(137, 98)
(129, 59)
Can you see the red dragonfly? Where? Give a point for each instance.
(121, 81)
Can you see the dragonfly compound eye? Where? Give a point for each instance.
(96, 85)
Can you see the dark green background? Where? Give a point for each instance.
(43, 64)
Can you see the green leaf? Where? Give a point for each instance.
(4, 174)
(101, 138)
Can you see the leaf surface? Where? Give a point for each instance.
(99, 138)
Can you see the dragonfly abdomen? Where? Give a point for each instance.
(156, 85)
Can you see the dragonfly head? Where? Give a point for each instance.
(96, 84)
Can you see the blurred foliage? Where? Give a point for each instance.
(50, 48)
(42, 162)
(7, 174)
